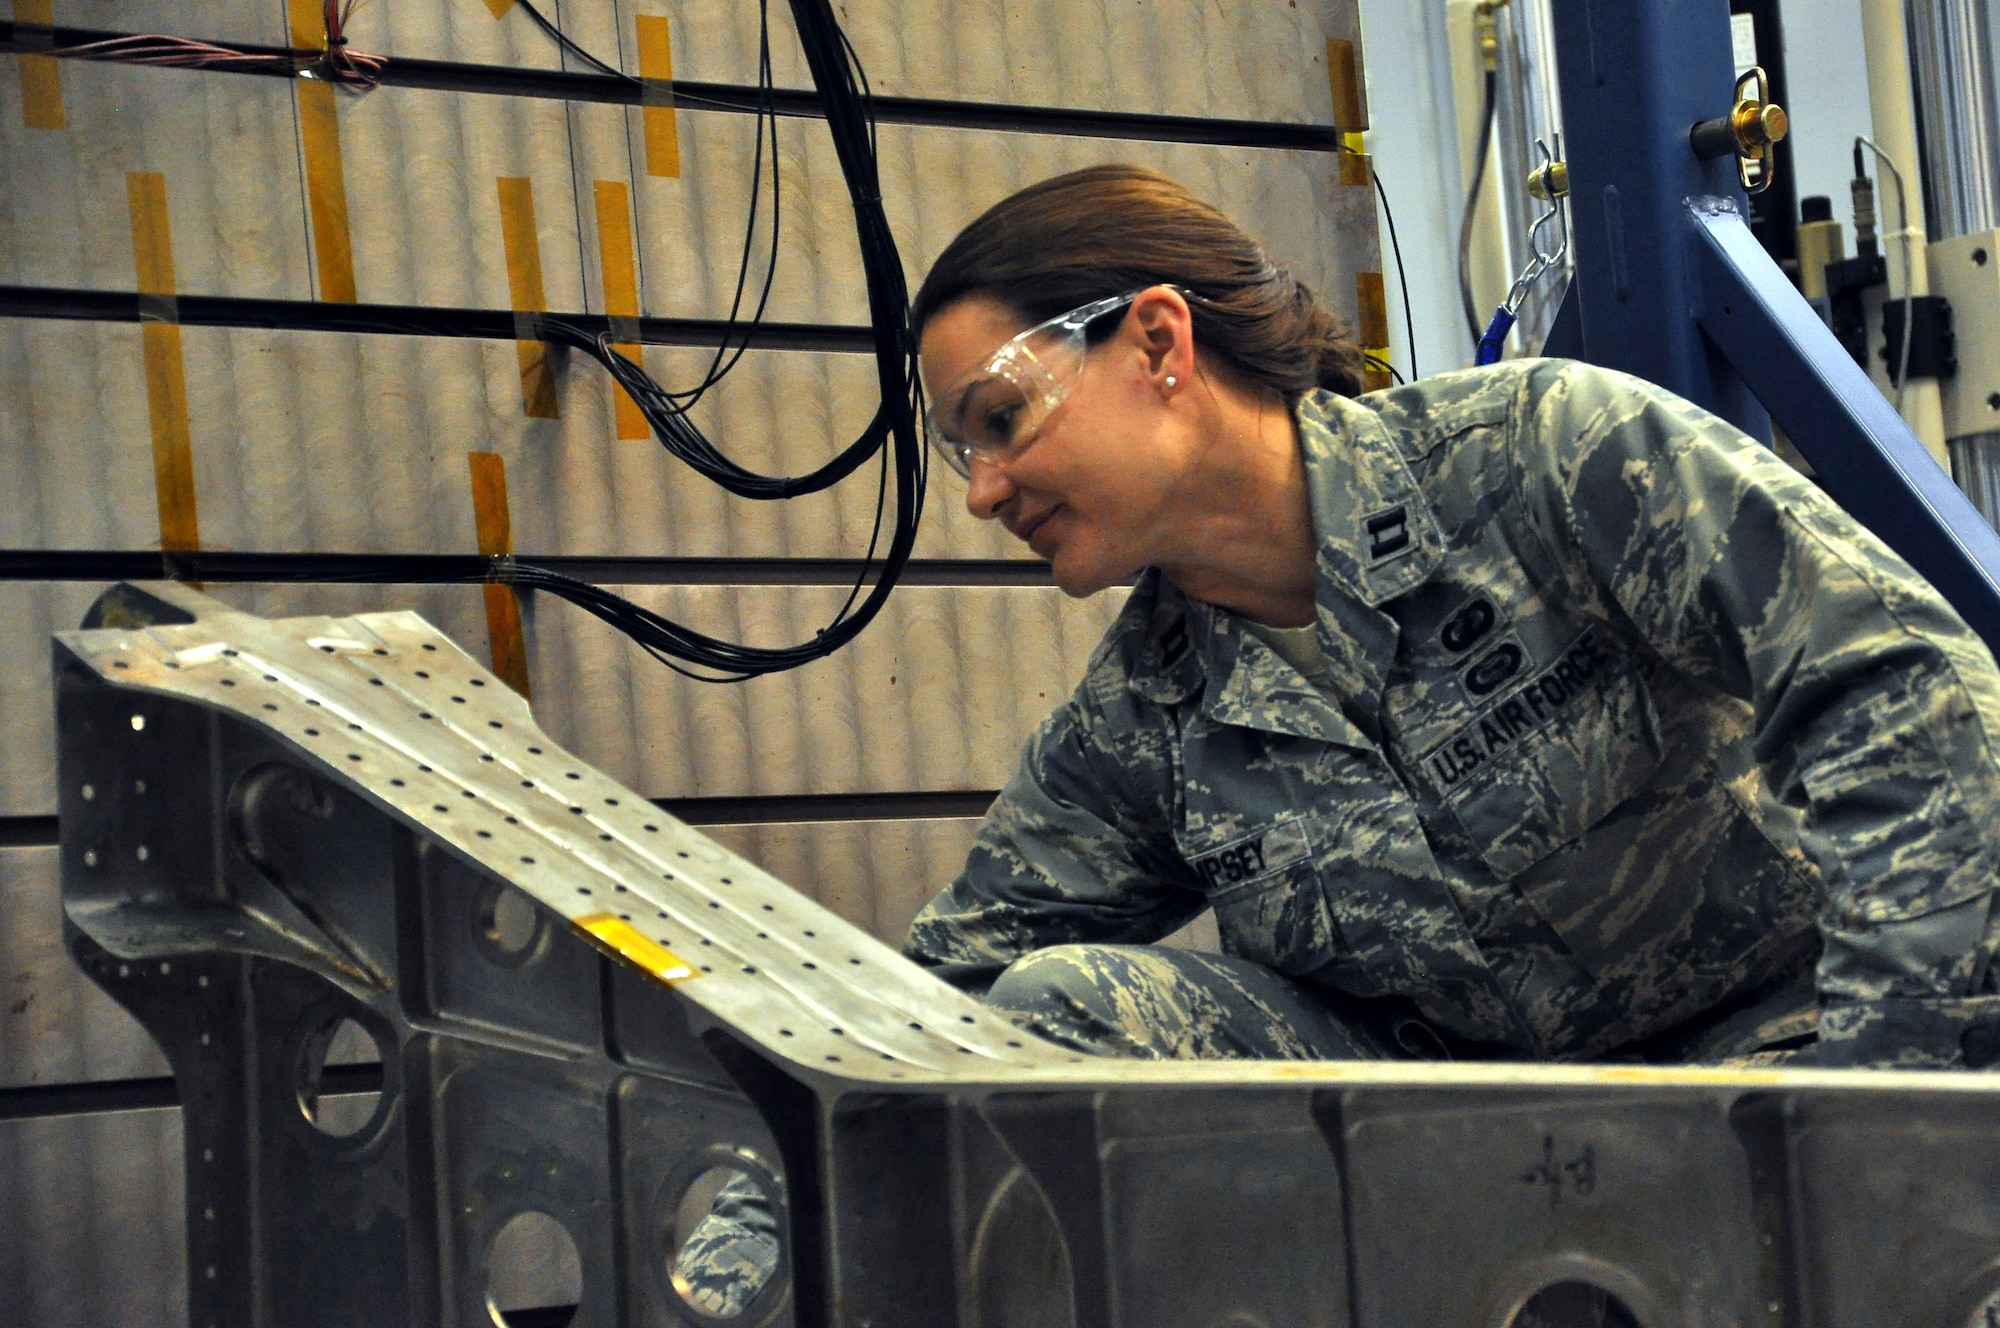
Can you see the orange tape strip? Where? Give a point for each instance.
(499, 7)
(1344, 76)
(308, 24)
(166, 376)
(621, 291)
(495, 527)
(1371, 306)
(1357, 167)
(326, 191)
(524, 285)
(41, 79)
(623, 937)
(656, 66)
(326, 179)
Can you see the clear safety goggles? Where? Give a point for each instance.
(993, 410)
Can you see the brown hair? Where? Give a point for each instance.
(1109, 229)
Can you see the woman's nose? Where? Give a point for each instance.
(988, 490)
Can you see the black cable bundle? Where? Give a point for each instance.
(843, 92)
(1484, 144)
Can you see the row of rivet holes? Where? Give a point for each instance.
(201, 980)
(139, 723)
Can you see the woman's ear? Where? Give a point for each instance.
(1163, 326)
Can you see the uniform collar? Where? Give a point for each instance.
(1377, 540)
(1377, 537)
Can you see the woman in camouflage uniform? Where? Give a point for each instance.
(1523, 712)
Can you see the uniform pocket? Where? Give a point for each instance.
(1557, 759)
(1269, 907)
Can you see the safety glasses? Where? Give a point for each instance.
(993, 410)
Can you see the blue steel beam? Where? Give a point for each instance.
(1636, 75)
(1863, 453)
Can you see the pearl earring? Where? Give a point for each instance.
(1173, 381)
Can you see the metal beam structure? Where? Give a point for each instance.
(1860, 449)
(1636, 75)
(272, 828)
(1670, 286)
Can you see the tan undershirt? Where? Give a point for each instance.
(1297, 646)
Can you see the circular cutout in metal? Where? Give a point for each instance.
(508, 927)
(534, 1275)
(339, 1084)
(1574, 1305)
(722, 1244)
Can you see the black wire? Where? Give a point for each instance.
(1402, 278)
(892, 434)
(1378, 362)
(1473, 322)
(563, 41)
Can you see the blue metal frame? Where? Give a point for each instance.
(1863, 453)
(1671, 286)
(1635, 75)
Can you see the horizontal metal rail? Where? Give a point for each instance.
(736, 98)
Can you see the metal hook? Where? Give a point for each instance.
(1553, 178)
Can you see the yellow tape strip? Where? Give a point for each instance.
(499, 7)
(1343, 75)
(656, 66)
(1371, 308)
(624, 938)
(41, 79)
(621, 291)
(495, 526)
(326, 190)
(524, 285)
(166, 377)
(326, 180)
(308, 24)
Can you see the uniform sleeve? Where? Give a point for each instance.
(1875, 706)
(1076, 848)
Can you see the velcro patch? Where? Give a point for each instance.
(1253, 856)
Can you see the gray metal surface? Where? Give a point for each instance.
(325, 833)
(939, 696)
(1860, 449)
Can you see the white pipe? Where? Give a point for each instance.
(1892, 108)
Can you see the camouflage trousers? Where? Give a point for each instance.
(730, 1257)
(1160, 1003)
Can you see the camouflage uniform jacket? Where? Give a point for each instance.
(1621, 720)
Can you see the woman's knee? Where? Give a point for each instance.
(1060, 977)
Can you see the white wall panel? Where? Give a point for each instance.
(226, 145)
(1233, 59)
(424, 211)
(938, 694)
(91, 1222)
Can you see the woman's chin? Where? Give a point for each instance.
(1080, 575)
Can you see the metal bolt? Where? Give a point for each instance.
(90, 857)
(89, 792)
